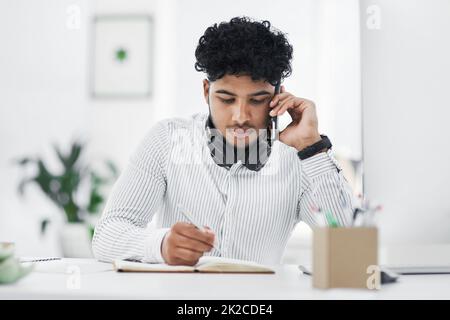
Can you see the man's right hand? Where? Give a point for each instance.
(184, 244)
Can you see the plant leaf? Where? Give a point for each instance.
(44, 177)
(112, 168)
(74, 154)
(44, 224)
(95, 201)
(60, 155)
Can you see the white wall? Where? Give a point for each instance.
(325, 36)
(44, 84)
(406, 108)
(44, 98)
(338, 83)
(119, 125)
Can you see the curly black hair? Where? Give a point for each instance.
(243, 46)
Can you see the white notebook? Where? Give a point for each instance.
(206, 264)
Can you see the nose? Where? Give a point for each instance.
(241, 113)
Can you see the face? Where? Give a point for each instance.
(239, 107)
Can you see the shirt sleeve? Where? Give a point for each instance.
(122, 231)
(324, 186)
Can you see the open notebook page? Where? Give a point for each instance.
(205, 263)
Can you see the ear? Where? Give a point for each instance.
(206, 86)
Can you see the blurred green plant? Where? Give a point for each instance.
(63, 188)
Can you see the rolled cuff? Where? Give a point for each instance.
(153, 246)
(319, 164)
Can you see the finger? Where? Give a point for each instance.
(295, 115)
(279, 97)
(191, 244)
(209, 230)
(276, 108)
(186, 256)
(276, 111)
(289, 104)
(299, 104)
(193, 232)
(282, 89)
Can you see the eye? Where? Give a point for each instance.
(227, 101)
(257, 102)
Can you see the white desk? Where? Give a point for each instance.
(59, 280)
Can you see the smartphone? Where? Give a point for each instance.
(274, 120)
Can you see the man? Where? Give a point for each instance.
(248, 189)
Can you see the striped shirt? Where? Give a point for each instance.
(252, 213)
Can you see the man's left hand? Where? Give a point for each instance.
(303, 130)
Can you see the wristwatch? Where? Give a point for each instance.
(315, 148)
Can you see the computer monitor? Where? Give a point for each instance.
(405, 62)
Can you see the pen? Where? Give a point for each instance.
(304, 270)
(359, 220)
(28, 260)
(365, 216)
(319, 217)
(332, 222)
(188, 216)
(356, 212)
(325, 219)
(370, 215)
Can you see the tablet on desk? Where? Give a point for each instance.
(415, 270)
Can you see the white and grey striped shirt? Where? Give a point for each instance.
(251, 212)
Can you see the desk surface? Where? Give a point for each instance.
(88, 279)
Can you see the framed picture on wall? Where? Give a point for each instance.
(122, 56)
